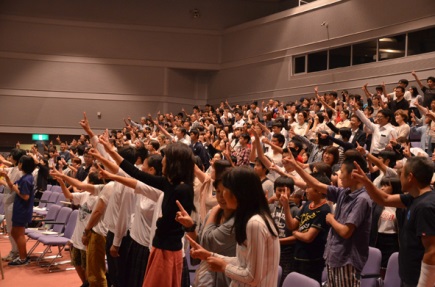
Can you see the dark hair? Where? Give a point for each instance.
(246, 137)
(93, 178)
(262, 165)
(155, 144)
(195, 132)
(277, 124)
(391, 155)
(141, 153)
(155, 161)
(298, 144)
(321, 117)
(395, 183)
(401, 88)
(353, 155)
(334, 151)
(128, 153)
(179, 164)
(430, 79)
(322, 168)
(345, 133)
(27, 164)
(334, 94)
(321, 177)
(220, 166)
(279, 137)
(246, 187)
(404, 81)
(422, 169)
(284, 181)
(17, 153)
(386, 113)
(198, 162)
(414, 91)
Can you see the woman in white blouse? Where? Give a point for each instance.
(300, 127)
(257, 253)
(403, 129)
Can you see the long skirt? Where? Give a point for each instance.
(164, 268)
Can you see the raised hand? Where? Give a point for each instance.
(85, 122)
(183, 217)
(196, 250)
(359, 175)
(360, 149)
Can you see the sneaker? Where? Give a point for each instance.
(10, 257)
(18, 262)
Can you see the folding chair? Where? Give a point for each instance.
(392, 278)
(59, 241)
(51, 216)
(51, 201)
(58, 228)
(56, 188)
(42, 201)
(296, 279)
(372, 269)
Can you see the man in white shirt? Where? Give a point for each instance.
(381, 130)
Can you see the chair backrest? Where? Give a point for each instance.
(62, 219)
(372, 268)
(52, 213)
(71, 224)
(60, 198)
(296, 279)
(44, 198)
(279, 275)
(52, 200)
(392, 278)
(49, 187)
(56, 188)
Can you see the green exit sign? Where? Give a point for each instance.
(39, 137)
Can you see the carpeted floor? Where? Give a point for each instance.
(34, 275)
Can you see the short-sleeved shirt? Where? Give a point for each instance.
(351, 208)
(23, 209)
(419, 221)
(312, 218)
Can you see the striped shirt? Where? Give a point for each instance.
(256, 262)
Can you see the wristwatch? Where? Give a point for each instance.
(190, 229)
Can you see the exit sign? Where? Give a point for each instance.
(39, 137)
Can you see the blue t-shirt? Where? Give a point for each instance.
(23, 209)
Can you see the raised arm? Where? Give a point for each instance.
(260, 153)
(291, 222)
(127, 181)
(376, 194)
(289, 160)
(414, 74)
(72, 181)
(86, 126)
(366, 91)
(200, 175)
(111, 166)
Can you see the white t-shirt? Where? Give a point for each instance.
(86, 202)
(386, 221)
(104, 192)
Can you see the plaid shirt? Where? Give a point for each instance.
(242, 156)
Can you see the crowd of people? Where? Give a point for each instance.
(304, 185)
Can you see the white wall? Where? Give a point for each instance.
(60, 58)
(257, 56)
